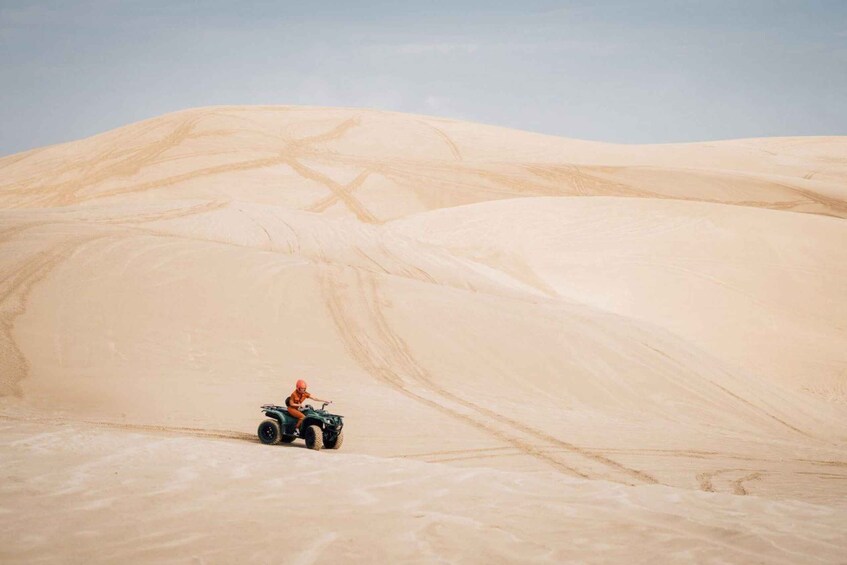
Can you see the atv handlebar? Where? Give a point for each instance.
(310, 407)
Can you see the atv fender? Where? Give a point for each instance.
(283, 417)
(313, 422)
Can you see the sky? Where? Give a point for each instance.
(620, 71)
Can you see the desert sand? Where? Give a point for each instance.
(545, 349)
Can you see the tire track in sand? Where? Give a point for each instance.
(148, 428)
(386, 356)
(423, 377)
(760, 411)
(331, 135)
(93, 173)
(378, 359)
(324, 203)
(78, 190)
(706, 480)
(168, 214)
(454, 149)
(16, 285)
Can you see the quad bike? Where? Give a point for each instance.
(320, 428)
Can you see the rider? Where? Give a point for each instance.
(295, 403)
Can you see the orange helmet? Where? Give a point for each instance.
(302, 384)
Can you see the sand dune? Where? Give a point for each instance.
(545, 348)
(378, 166)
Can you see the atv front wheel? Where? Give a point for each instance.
(269, 432)
(335, 443)
(314, 437)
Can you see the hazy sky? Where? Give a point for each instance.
(624, 71)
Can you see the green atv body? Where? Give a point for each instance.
(320, 428)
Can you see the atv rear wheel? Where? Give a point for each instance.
(335, 443)
(314, 437)
(269, 432)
